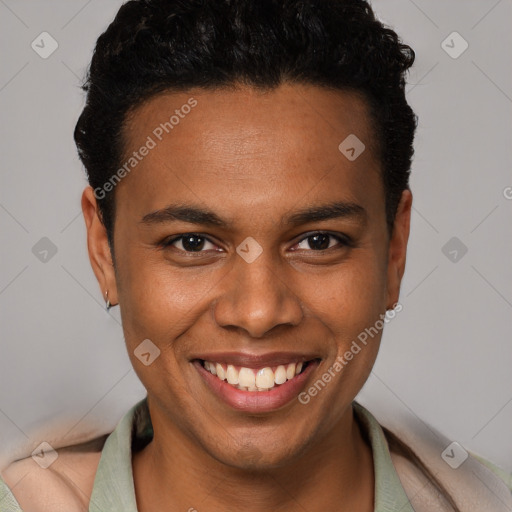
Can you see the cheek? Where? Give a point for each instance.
(351, 297)
(158, 300)
(156, 304)
(351, 303)
(162, 301)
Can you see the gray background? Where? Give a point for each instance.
(446, 358)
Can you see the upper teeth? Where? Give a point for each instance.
(249, 379)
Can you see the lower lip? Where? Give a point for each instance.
(256, 401)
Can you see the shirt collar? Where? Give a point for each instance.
(113, 484)
(114, 488)
(389, 494)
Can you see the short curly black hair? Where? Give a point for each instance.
(159, 45)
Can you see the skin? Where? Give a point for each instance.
(253, 158)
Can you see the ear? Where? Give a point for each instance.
(398, 248)
(98, 248)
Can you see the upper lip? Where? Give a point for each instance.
(249, 360)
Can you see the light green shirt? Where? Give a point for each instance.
(114, 491)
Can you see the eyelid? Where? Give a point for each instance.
(342, 239)
(168, 241)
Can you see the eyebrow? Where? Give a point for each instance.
(194, 214)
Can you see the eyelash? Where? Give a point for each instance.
(343, 240)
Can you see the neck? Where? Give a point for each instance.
(174, 473)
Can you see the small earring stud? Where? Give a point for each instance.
(107, 302)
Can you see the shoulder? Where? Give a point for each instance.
(435, 470)
(474, 488)
(60, 480)
(499, 472)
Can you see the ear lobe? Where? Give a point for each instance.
(98, 247)
(398, 247)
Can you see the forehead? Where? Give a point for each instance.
(296, 113)
(262, 147)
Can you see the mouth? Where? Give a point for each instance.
(256, 383)
(259, 379)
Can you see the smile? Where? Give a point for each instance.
(250, 379)
(256, 383)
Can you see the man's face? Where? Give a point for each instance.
(264, 288)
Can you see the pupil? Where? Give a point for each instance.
(193, 242)
(319, 242)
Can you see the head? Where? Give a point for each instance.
(248, 204)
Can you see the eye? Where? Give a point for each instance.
(322, 241)
(197, 243)
(189, 242)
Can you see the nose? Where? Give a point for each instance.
(256, 299)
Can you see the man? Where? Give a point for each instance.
(249, 211)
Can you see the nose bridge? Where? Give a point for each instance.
(257, 298)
